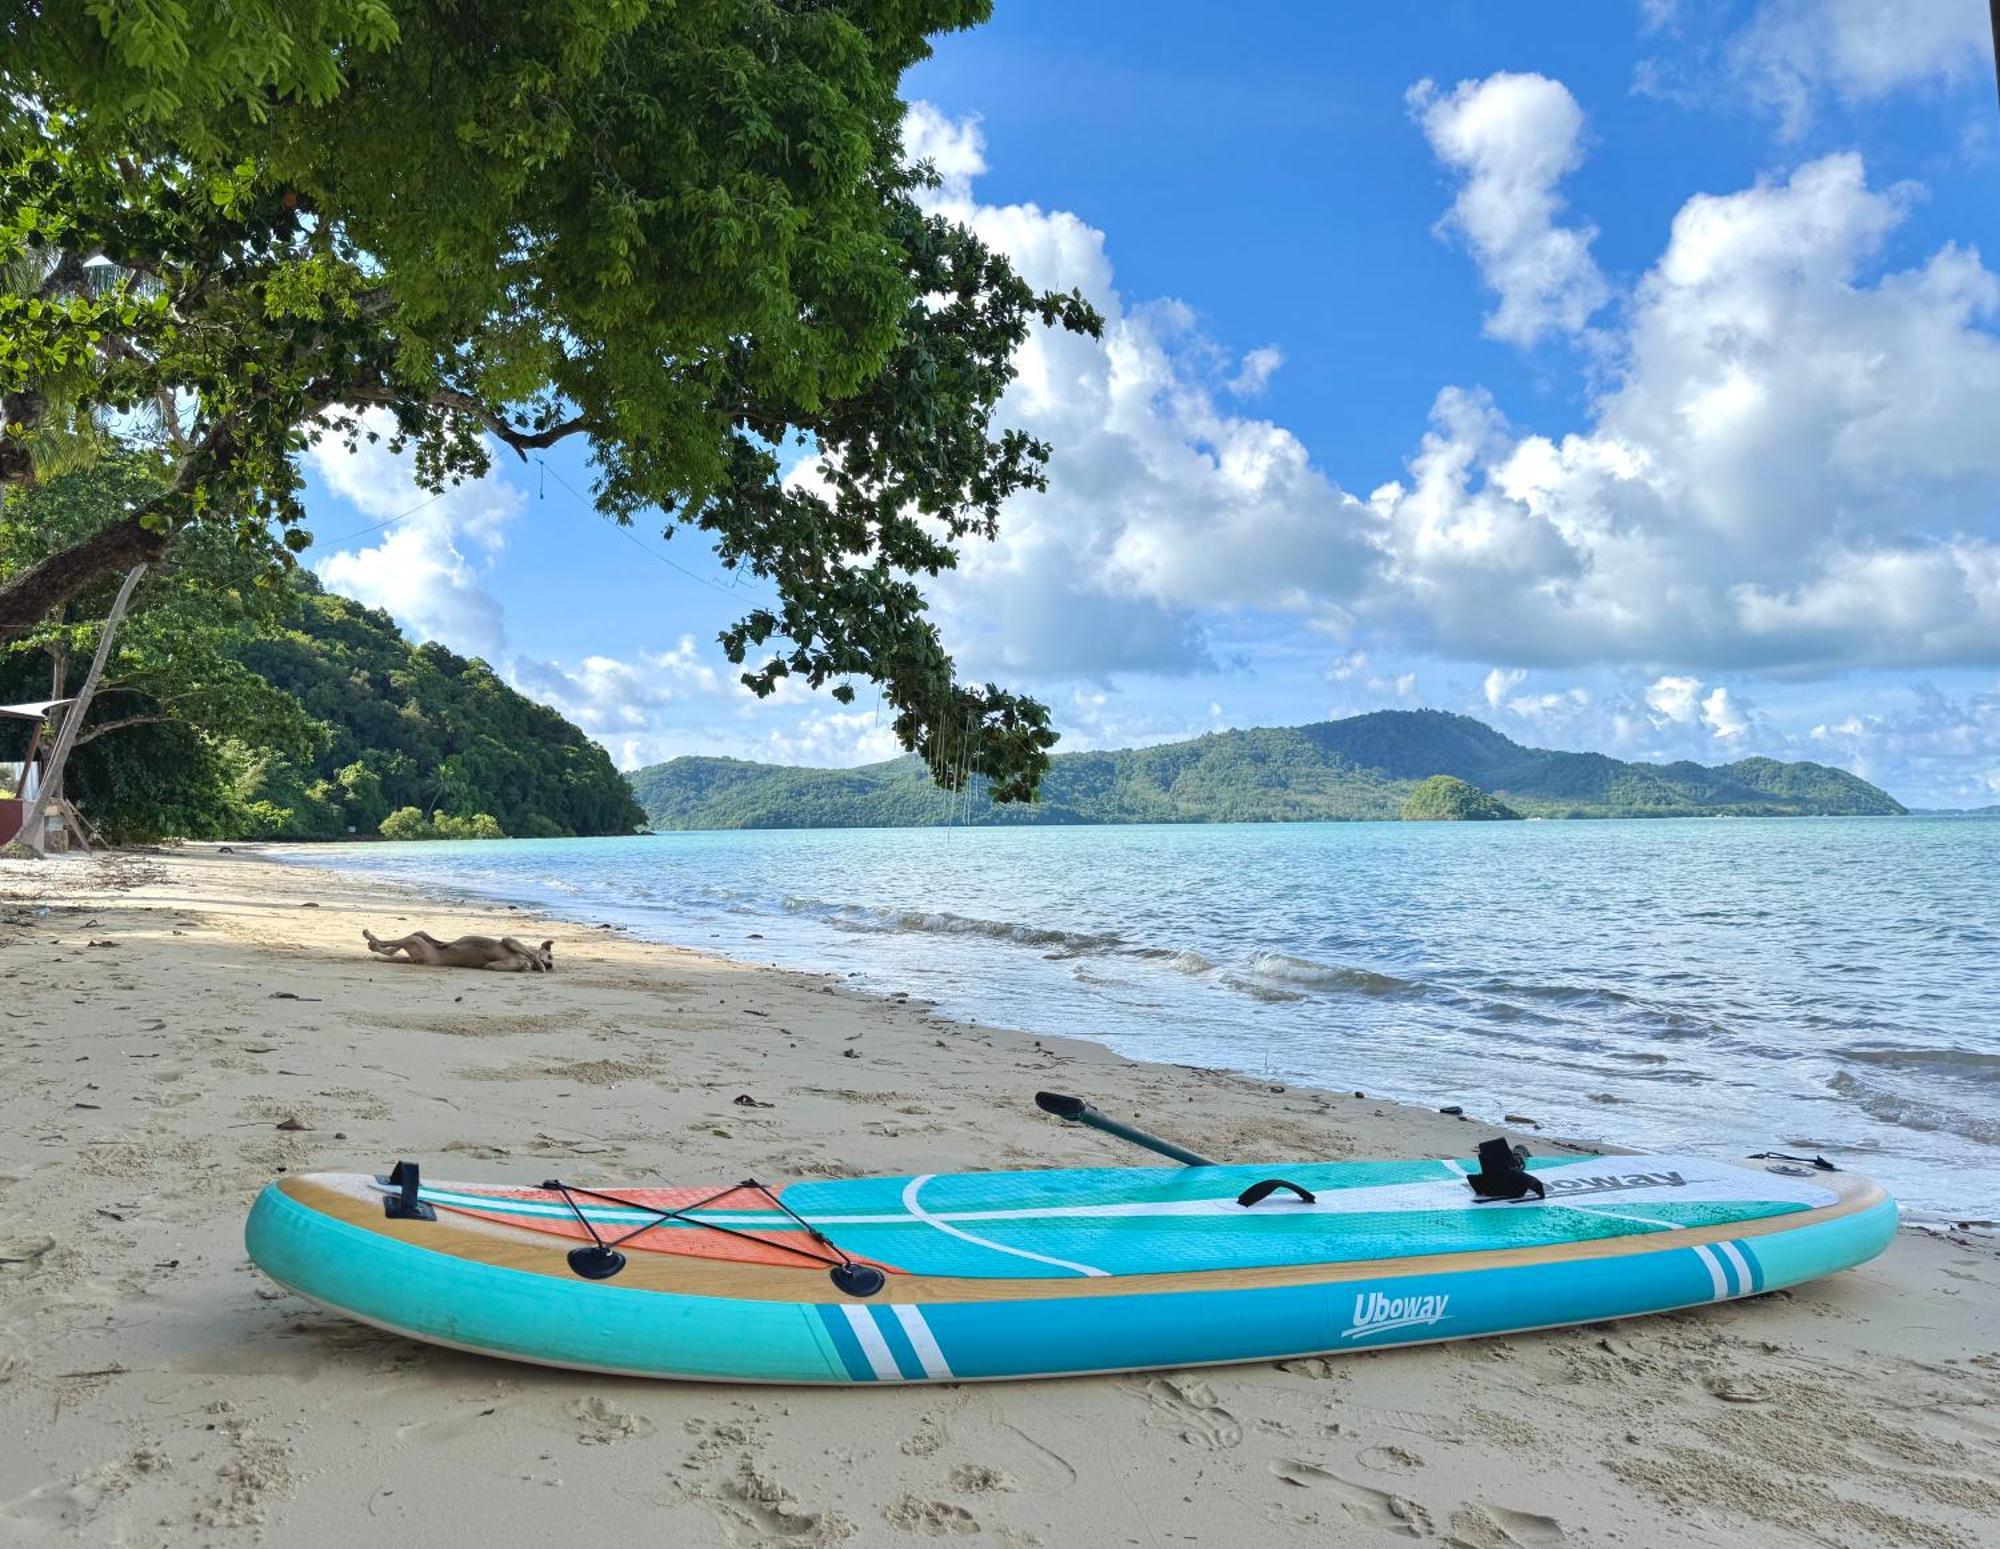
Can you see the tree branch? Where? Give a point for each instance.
(93, 733)
(29, 597)
(26, 599)
(522, 441)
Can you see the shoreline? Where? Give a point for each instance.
(1283, 1005)
(550, 914)
(184, 1025)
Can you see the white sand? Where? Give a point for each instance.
(179, 1028)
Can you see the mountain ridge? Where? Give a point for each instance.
(1361, 767)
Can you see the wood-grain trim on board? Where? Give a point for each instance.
(345, 1198)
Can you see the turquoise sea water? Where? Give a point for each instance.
(1719, 986)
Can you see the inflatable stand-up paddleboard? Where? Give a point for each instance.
(953, 1277)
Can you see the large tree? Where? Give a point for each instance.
(177, 655)
(682, 229)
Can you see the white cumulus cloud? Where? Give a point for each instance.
(1795, 53)
(1943, 745)
(1162, 503)
(1676, 698)
(1256, 371)
(1723, 716)
(1511, 139)
(1794, 468)
(1680, 700)
(1788, 465)
(428, 569)
(1500, 683)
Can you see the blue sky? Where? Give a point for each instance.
(1623, 374)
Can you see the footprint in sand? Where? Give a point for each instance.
(1190, 1411)
(65, 1504)
(979, 1479)
(462, 1420)
(759, 1510)
(600, 1423)
(1367, 1506)
(1736, 1388)
(1478, 1526)
(935, 1519)
(928, 1437)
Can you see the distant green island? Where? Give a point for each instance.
(1366, 766)
(1446, 798)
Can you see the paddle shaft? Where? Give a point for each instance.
(1078, 1111)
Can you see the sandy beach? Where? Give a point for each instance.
(181, 1027)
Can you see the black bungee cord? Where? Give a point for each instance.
(601, 1259)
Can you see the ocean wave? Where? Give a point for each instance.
(1957, 1063)
(1567, 995)
(1911, 1112)
(1183, 961)
(938, 922)
(1498, 1011)
(1262, 990)
(1303, 972)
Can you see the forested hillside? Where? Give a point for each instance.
(354, 722)
(1363, 767)
(241, 700)
(417, 726)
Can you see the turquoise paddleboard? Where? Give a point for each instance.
(968, 1276)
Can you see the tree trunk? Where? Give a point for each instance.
(32, 824)
(28, 598)
(58, 674)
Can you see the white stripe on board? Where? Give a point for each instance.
(918, 1212)
(921, 1339)
(1619, 1215)
(1731, 1252)
(873, 1345)
(1716, 1277)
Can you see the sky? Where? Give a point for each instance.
(1623, 374)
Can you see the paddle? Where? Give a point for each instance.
(1078, 1111)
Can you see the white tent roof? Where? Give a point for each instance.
(34, 709)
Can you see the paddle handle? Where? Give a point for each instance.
(1078, 1111)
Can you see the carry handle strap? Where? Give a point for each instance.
(1262, 1191)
